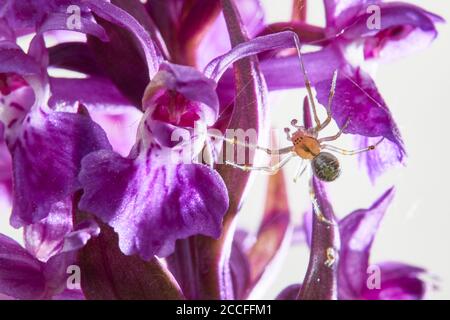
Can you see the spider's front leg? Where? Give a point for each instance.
(269, 169)
(330, 101)
(254, 146)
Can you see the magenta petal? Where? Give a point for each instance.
(130, 58)
(252, 15)
(398, 282)
(5, 171)
(358, 231)
(404, 28)
(98, 93)
(46, 161)
(24, 15)
(357, 99)
(152, 203)
(21, 275)
(46, 237)
(338, 12)
(188, 82)
(14, 60)
(376, 163)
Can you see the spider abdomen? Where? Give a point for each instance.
(326, 166)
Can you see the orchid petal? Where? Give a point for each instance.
(127, 39)
(45, 238)
(21, 275)
(5, 171)
(46, 161)
(357, 234)
(398, 282)
(14, 60)
(150, 202)
(190, 83)
(404, 28)
(252, 15)
(56, 268)
(358, 101)
(340, 12)
(97, 93)
(240, 271)
(124, 20)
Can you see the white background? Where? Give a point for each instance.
(416, 229)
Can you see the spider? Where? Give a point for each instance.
(306, 143)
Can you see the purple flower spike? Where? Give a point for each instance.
(46, 146)
(21, 275)
(153, 192)
(321, 277)
(46, 161)
(44, 238)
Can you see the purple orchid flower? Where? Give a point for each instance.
(160, 65)
(357, 277)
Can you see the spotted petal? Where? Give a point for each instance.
(46, 161)
(151, 202)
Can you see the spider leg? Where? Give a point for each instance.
(351, 152)
(330, 101)
(287, 131)
(254, 146)
(300, 170)
(307, 82)
(269, 169)
(337, 135)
